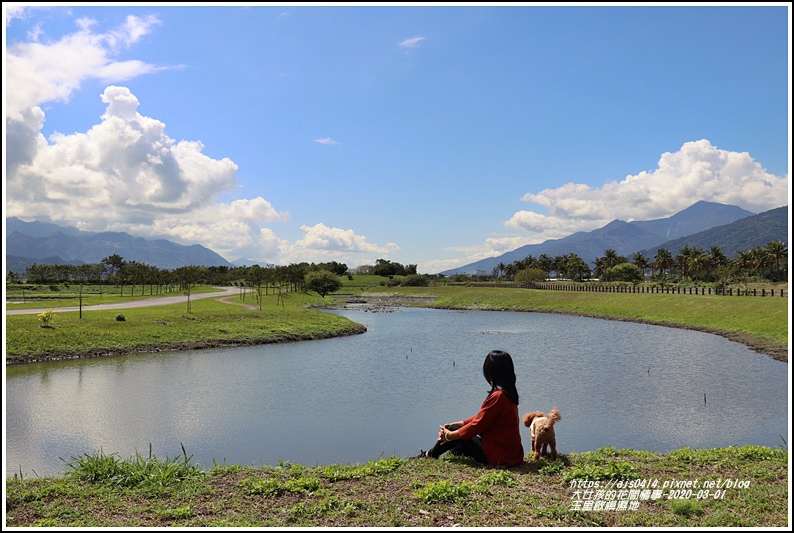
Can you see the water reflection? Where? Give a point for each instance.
(385, 392)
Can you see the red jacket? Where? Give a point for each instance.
(497, 425)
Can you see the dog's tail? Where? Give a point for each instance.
(529, 417)
(554, 416)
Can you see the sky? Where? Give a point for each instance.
(429, 135)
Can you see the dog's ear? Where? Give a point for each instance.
(554, 416)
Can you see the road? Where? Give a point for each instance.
(150, 302)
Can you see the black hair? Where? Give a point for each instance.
(499, 373)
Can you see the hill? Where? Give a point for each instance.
(41, 242)
(623, 237)
(742, 235)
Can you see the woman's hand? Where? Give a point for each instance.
(445, 434)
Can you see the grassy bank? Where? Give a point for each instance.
(727, 487)
(758, 322)
(761, 323)
(210, 323)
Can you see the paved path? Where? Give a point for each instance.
(149, 302)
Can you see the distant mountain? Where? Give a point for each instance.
(242, 262)
(21, 264)
(623, 237)
(36, 228)
(742, 235)
(41, 242)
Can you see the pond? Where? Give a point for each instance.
(384, 393)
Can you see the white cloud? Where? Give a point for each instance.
(325, 140)
(412, 42)
(46, 72)
(698, 171)
(125, 173)
(11, 12)
(321, 237)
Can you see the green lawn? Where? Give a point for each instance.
(105, 491)
(210, 323)
(55, 296)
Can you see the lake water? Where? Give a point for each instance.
(383, 393)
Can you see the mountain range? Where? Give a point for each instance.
(703, 224)
(46, 243)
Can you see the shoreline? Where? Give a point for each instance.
(778, 352)
(221, 343)
(766, 347)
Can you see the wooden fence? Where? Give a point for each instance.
(653, 289)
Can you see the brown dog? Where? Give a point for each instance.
(541, 429)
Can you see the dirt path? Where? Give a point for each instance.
(247, 306)
(151, 302)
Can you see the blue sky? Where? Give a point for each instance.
(428, 135)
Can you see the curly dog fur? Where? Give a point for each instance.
(541, 429)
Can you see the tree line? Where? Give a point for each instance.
(691, 263)
(115, 270)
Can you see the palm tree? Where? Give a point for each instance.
(775, 251)
(545, 262)
(600, 267)
(663, 260)
(500, 268)
(640, 261)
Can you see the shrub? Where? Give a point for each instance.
(45, 317)
(120, 318)
(624, 272)
(529, 275)
(415, 280)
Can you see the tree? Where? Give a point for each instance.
(114, 263)
(640, 261)
(186, 276)
(663, 260)
(322, 282)
(499, 270)
(605, 263)
(545, 262)
(340, 269)
(572, 267)
(775, 251)
(415, 280)
(624, 272)
(530, 275)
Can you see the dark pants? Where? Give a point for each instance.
(470, 448)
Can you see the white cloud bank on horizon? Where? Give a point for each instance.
(698, 171)
(125, 173)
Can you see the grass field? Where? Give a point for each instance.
(656, 490)
(56, 296)
(210, 323)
